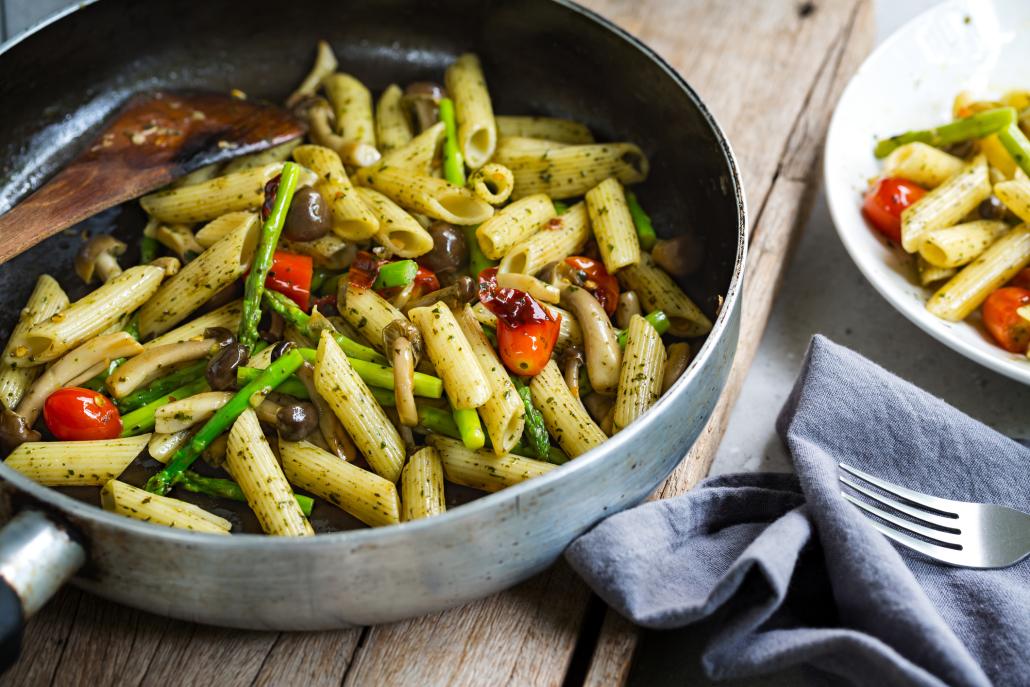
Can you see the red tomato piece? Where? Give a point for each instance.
(1009, 329)
(885, 202)
(291, 275)
(526, 331)
(77, 414)
(425, 282)
(597, 281)
(1022, 279)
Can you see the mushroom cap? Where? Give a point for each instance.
(15, 429)
(86, 258)
(401, 328)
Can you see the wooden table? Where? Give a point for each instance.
(771, 71)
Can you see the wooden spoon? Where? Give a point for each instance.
(152, 140)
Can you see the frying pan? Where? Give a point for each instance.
(541, 57)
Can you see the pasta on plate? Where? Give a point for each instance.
(419, 301)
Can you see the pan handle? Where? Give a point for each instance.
(37, 557)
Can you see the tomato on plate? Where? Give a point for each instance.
(885, 202)
(77, 414)
(1010, 329)
(526, 331)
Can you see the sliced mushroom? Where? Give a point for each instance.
(675, 364)
(629, 305)
(319, 115)
(572, 359)
(681, 256)
(598, 406)
(14, 430)
(169, 264)
(294, 421)
(180, 240)
(423, 97)
(101, 349)
(403, 344)
(157, 361)
(223, 366)
(462, 291)
(450, 251)
(332, 432)
(604, 356)
(99, 256)
(187, 412)
(274, 331)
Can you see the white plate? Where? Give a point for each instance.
(909, 82)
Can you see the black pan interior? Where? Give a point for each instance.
(540, 57)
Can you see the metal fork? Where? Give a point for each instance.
(960, 533)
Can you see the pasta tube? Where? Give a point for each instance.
(640, 379)
(199, 280)
(571, 171)
(923, 164)
(418, 154)
(477, 132)
(217, 229)
(929, 274)
(553, 128)
(957, 245)
(368, 497)
(513, 224)
(422, 492)
(352, 104)
(399, 232)
(503, 413)
(352, 220)
(657, 291)
(227, 316)
(945, 205)
(392, 127)
(205, 201)
(357, 409)
(452, 356)
(481, 469)
(493, 183)
(132, 502)
(76, 463)
(89, 316)
(47, 299)
(564, 236)
(250, 461)
(428, 195)
(613, 226)
(964, 292)
(564, 415)
(367, 312)
(1015, 194)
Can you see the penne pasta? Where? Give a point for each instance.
(554, 128)
(367, 312)
(279, 153)
(613, 226)
(368, 497)
(422, 491)
(430, 196)
(955, 246)
(393, 130)
(513, 224)
(493, 183)
(945, 205)
(125, 499)
(352, 220)
(227, 316)
(88, 316)
(477, 132)
(1015, 194)
(657, 291)
(964, 292)
(452, 356)
(417, 155)
(563, 236)
(504, 412)
(482, 469)
(196, 176)
(564, 415)
(923, 164)
(220, 227)
(352, 105)
(250, 461)
(931, 274)
(357, 409)
(76, 463)
(399, 232)
(325, 64)
(214, 269)
(571, 171)
(47, 299)
(205, 201)
(640, 379)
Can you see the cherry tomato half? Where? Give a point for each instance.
(597, 281)
(77, 414)
(885, 202)
(291, 276)
(1008, 327)
(526, 331)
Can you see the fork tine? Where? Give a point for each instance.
(940, 553)
(943, 505)
(906, 525)
(923, 517)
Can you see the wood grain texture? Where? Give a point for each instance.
(770, 76)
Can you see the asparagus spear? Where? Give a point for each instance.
(469, 428)
(262, 262)
(642, 221)
(160, 387)
(430, 419)
(974, 126)
(453, 162)
(560, 208)
(477, 258)
(381, 376)
(535, 433)
(397, 273)
(227, 489)
(290, 386)
(302, 321)
(142, 419)
(269, 379)
(1017, 145)
(658, 319)
(147, 249)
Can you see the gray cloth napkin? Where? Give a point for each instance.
(787, 573)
